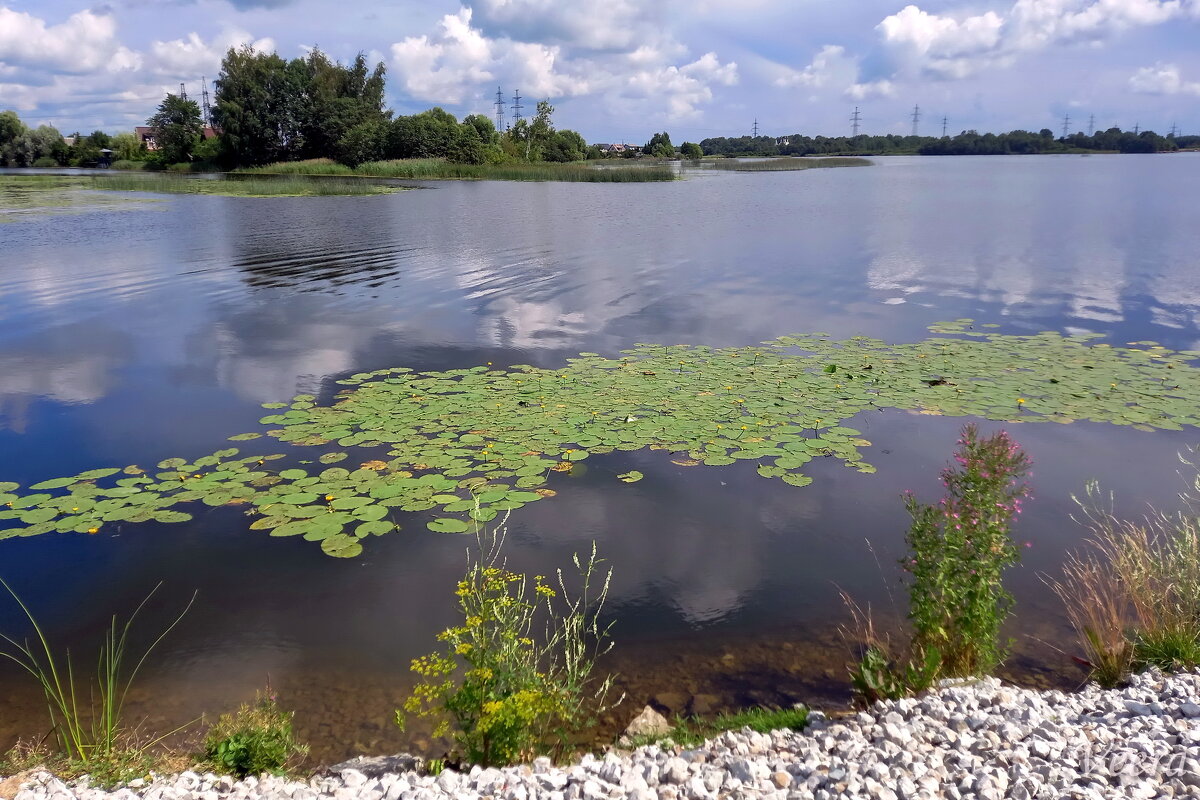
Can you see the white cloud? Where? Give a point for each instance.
(192, 57)
(863, 91)
(951, 47)
(459, 62)
(588, 24)
(1162, 79)
(826, 67)
(85, 42)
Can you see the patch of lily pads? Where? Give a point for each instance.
(470, 444)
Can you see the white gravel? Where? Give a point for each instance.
(966, 740)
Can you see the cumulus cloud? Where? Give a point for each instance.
(827, 66)
(952, 46)
(614, 25)
(1162, 79)
(85, 42)
(191, 56)
(460, 60)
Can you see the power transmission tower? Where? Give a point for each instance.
(1066, 124)
(1174, 130)
(916, 117)
(182, 92)
(945, 122)
(499, 104)
(516, 106)
(1136, 129)
(855, 119)
(1091, 125)
(205, 104)
(756, 127)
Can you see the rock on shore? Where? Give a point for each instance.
(965, 740)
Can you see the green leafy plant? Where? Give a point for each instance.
(257, 738)
(958, 552)
(509, 689)
(87, 723)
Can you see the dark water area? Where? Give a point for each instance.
(134, 333)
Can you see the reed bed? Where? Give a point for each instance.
(439, 169)
(284, 186)
(788, 164)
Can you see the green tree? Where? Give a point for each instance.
(691, 150)
(260, 102)
(177, 128)
(660, 146)
(564, 145)
(127, 147)
(430, 134)
(362, 143)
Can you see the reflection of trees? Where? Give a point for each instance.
(69, 364)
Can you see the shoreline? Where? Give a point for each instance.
(965, 739)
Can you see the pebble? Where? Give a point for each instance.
(965, 740)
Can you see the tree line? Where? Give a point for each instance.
(966, 143)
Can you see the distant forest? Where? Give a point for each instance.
(967, 143)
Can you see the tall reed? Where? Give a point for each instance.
(87, 725)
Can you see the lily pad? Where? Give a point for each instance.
(448, 525)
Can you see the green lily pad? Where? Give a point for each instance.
(633, 476)
(448, 525)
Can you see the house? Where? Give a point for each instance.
(145, 135)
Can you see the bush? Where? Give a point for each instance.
(958, 552)
(125, 164)
(255, 739)
(44, 161)
(511, 690)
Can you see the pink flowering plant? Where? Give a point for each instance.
(959, 549)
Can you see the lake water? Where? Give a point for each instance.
(130, 333)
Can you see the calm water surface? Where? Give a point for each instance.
(133, 333)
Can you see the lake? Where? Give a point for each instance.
(133, 332)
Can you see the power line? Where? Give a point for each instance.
(916, 117)
(499, 104)
(855, 119)
(516, 106)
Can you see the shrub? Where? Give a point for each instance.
(512, 691)
(44, 161)
(257, 738)
(958, 552)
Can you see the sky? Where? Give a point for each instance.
(619, 70)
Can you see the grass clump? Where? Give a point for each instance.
(515, 678)
(1134, 597)
(788, 164)
(86, 721)
(312, 166)
(694, 731)
(132, 759)
(128, 165)
(257, 738)
(959, 549)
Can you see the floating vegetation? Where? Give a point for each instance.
(469, 444)
(23, 196)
